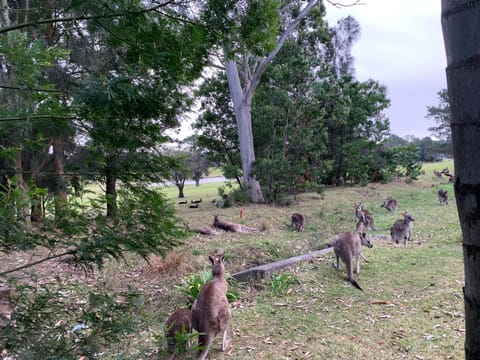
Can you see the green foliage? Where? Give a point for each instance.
(259, 26)
(57, 320)
(281, 283)
(442, 116)
(232, 195)
(406, 160)
(192, 284)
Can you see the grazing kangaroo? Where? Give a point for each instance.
(348, 246)
(443, 197)
(402, 229)
(210, 312)
(232, 227)
(360, 229)
(298, 222)
(389, 204)
(179, 322)
(364, 216)
(204, 230)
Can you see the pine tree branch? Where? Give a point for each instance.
(80, 17)
(48, 258)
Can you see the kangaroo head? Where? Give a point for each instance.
(218, 264)
(407, 217)
(365, 241)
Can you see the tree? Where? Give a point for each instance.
(217, 132)
(459, 18)
(265, 25)
(442, 116)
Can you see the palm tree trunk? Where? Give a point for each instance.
(461, 35)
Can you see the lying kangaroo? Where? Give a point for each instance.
(232, 227)
(211, 312)
(179, 322)
(348, 246)
(204, 230)
(443, 197)
(298, 221)
(402, 229)
(389, 204)
(364, 216)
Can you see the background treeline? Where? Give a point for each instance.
(92, 93)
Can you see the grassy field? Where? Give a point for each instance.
(412, 306)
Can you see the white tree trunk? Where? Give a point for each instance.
(461, 33)
(242, 105)
(242, 100)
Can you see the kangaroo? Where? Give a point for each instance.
(364, 216)
(179, 322)
(298, 222)
(232, 227)
(210, 312)
(402, 229)
(348, 246)
(389, 204)
(204, 230)
(443, 197)
(360, 229)
(438, 174)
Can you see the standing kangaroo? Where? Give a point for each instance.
(364, 216)
(402, 229)
(389, 204)
(298, 222)
(348, 246)
(211, 312)
(443, 197)
(179, 322)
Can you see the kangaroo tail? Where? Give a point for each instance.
(354, 283)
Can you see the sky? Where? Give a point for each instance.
(400, 46)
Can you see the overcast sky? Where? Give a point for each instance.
(401, 46)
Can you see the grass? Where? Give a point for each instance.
(412, 306)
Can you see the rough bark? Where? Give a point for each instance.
(461, 33)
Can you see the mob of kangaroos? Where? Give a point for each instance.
(348, 246)
(402, 229)
(210, 312)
